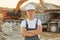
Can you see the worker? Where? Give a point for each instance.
(31, 27)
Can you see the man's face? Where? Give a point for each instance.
(30, 13)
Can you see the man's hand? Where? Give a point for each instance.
(37, 31)
(26, 33)
(33, 32)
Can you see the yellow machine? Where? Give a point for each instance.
(15, 13)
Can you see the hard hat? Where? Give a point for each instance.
(29, 7)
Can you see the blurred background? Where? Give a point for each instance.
(14, 11)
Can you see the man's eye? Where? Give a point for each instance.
(28, 10)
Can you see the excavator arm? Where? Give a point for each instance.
(19, 4)
(22, 1)
(42, 3)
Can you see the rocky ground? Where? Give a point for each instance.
(16, 35)
(51, 36)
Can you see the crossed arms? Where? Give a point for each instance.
(32, 32)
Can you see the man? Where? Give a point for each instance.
(31, 27)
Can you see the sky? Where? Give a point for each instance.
(13, 3)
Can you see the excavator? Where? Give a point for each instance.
(17, 12)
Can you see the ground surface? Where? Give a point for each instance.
(16, 35)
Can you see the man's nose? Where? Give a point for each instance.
(31, 11)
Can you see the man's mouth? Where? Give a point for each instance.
(30, 14)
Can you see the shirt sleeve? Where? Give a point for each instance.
(39, 22)
(23, 24)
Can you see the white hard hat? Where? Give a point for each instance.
(29, 7)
